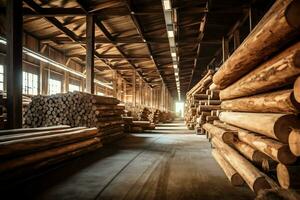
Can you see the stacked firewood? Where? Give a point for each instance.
(77, 109)
(193, 97)
(24, 151)
(259, 127)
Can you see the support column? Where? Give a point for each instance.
(134, 89)
(236, 39)
(66, 82)
(90, 48)
(225, 49)
(14, 63)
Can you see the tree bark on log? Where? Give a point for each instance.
(281, 70)
(275, 102)
(27, 145)
(278, 25)
(232, 175)
(43, 155)
(277, 126)
(251, 175)
(221, 134)
(276, 150)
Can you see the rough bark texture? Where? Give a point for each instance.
(281, 70)
(268, 36)
(276, 102)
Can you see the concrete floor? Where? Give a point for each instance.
(167, 163)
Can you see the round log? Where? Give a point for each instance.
(222, 134)
(288, 176)
(297, 89)
(251, 175)
(294, 142)
(234, 178)
(276, 28)
(277, 126)
(276, 102)
(281, 70)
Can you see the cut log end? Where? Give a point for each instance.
(260, 184)
(292, 14)
(237, 180)
(283, 127)
(282, 171)
(294, 142)
(297, 90)
(285, 155)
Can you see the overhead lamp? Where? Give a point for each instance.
(167, 5)
(175, 66)
(171, 34)
(173, 55)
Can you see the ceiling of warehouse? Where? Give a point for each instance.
(131, 35)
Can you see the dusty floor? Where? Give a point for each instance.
(167, 163)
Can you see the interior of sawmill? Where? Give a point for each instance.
(150, 99)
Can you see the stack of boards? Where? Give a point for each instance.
(24, 151)
(257, 136)
(78, 109)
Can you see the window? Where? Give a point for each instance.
(30, 83)
(73, 88)
(1, 77)
(54, 86)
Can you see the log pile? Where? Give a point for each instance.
(77, 109)
(201, 103)
(24, 151)
(26, 99)
(258, 131)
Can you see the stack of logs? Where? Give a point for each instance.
(77, 109)
(259, 126)
(193, 97)
(24, 151)
(26, 99)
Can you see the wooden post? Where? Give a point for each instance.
(225, 49)
(90, 48)
(14, 63)
(66, 81)
(236, 39)
(134, 89)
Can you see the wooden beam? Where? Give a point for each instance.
(14, 63)
(90, 51)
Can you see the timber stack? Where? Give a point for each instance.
(257, 136)
(194, 97)
(78, 109)
(26, 151)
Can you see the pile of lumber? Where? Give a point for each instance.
(257, 136)
(193, 97)
(24, 151)
(77, 109)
